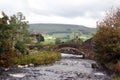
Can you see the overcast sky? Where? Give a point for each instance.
(81, 12)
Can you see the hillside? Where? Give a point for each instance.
(60, 28)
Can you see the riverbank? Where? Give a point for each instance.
(68, 68)
(38, 58)
(110, 68)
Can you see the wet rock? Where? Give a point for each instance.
(107, 78)
(35, 70)
(61, 76)
(94, 66)
(86, 65)
(17, 75)
(31, 65)
(1, 70)
(80, 75)
(89, 77)
(49, 70)
(99, 75)
(70, 78)
(57, 72)
(22, 66)
(64, 63)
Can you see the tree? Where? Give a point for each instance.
(21, 33)
(107, 39)
(6, 43)
(20, 27)
(39, 37)
(12, 30)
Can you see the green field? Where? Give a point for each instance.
(63, 37)
(62, 31)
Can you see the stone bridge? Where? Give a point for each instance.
(72, 49)
(86, 50)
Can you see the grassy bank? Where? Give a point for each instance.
(39, 58)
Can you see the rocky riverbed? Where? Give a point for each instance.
(70, 67)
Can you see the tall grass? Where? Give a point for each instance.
(39, 58)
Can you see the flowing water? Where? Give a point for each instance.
(70, 67)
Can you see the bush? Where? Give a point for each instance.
(7, 59)
(107, 39)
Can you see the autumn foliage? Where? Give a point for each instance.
(107, 39)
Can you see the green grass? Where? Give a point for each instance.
(116, 77)
(39, 58)
(62, 36)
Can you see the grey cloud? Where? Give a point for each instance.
(70, 11)
(60, 7)
(90, 9)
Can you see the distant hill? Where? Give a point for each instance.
(60, 28)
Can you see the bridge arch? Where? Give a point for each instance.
(71, 49)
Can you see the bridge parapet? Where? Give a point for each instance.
(68, 45)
